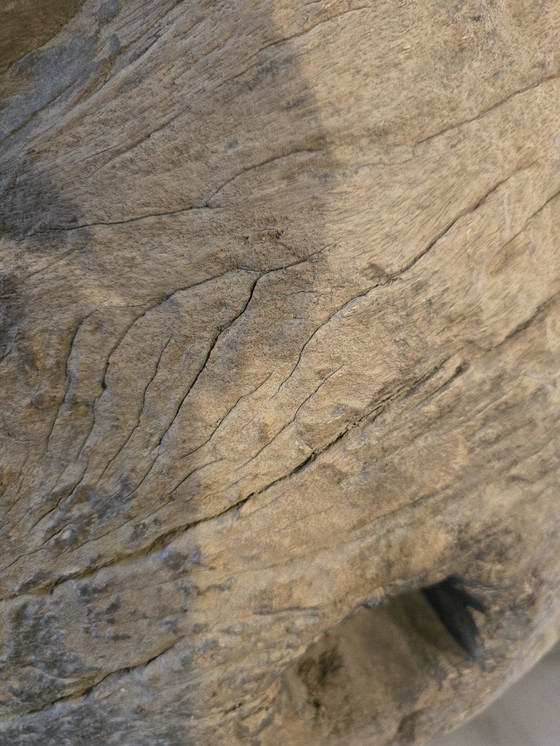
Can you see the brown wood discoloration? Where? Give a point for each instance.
(26, 25)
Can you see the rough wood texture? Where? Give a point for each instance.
(280, 336)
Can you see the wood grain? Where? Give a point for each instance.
(280, 336)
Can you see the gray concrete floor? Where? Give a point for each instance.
(528, 714)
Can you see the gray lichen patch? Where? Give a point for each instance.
(107, 11)
(32, 203)
(37, 660)
(49, 72)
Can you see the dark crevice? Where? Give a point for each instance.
(286, 39)
(484, 112)
(535, 316)
(451, 601)
(90, 688)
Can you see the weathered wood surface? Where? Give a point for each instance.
(280, 336)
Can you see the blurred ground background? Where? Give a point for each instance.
(528, 714)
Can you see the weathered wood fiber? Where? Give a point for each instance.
(280, 336)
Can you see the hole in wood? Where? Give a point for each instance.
(374, 666)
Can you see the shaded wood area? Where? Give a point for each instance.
(279, 348)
